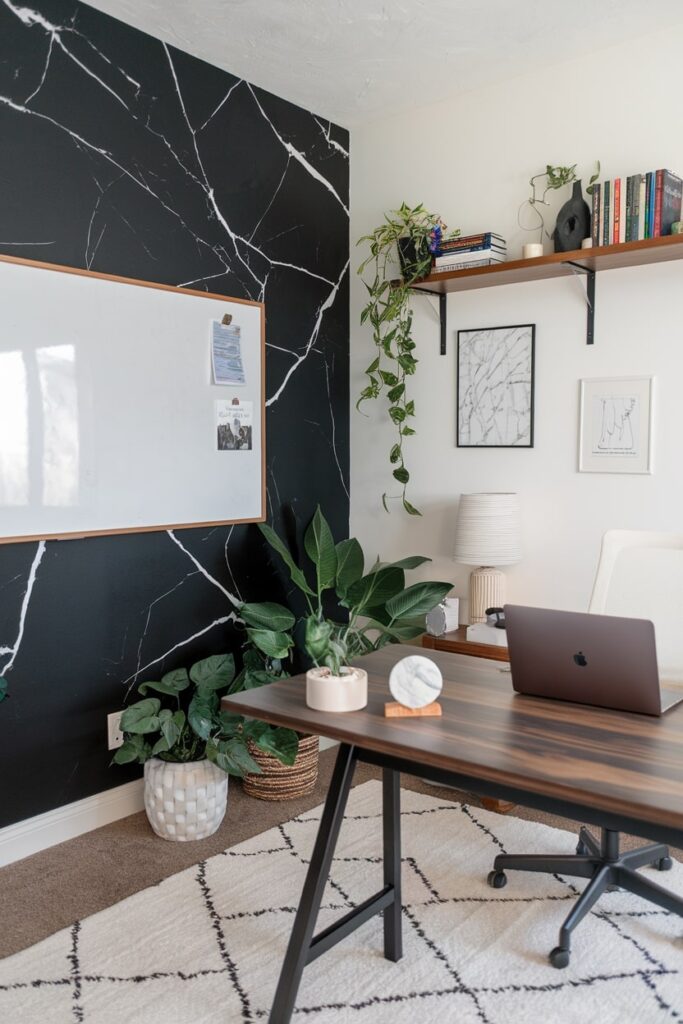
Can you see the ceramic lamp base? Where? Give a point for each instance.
(487, 590)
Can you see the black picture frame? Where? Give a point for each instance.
(462, 443)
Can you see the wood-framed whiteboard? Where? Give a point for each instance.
(109, 410)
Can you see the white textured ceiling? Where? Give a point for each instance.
(355, 61)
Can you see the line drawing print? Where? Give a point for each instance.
(616, 423)
(495, 387)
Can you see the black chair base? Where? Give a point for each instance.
(607, 869)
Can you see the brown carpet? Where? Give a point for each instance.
(52, 889)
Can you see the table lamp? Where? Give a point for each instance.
(487, 535)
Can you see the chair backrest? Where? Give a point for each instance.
(640, 575)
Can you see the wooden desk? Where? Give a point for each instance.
(606, 768)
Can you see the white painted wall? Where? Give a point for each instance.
(470, 160)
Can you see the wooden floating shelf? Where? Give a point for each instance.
(558, 264)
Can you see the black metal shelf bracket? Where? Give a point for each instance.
(590, 298)
(442, 313)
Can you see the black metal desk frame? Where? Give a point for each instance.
(304, 946)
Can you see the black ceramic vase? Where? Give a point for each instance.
(573, 222)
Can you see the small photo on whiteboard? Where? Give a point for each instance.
(234, 426)
(616, 425)
(226, 354)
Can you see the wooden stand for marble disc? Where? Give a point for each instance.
(392, 709)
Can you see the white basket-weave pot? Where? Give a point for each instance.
(184, 801)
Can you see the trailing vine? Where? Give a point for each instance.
(408, 235)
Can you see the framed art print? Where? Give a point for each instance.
(495, 387)
(615, 431)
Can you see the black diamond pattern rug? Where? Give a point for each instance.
(206, 945)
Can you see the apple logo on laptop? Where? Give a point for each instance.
(580, 659)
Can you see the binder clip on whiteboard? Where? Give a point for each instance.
(443, 618)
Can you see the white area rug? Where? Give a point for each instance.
(206, 945)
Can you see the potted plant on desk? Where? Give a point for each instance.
(349, 612)
(189, 747)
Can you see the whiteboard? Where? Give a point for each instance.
(108, 415)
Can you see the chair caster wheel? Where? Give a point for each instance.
(497, 879)
(581, 849)
(559, 957)
(664, 864)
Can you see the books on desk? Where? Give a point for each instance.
(636, 207)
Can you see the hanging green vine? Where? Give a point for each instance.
(406, 235)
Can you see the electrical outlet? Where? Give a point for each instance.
(114, 734)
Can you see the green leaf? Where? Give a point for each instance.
(232, 756)
(172, 683)
(388, 378)
(267, 615)
(202, 713)
(418, 599)
(253, 678)
(402, 475)
(375, 589)
(374, 364)
(319, 544)
(213, 673)
(350, 564)
(395, 454)
(395, 393)
(397, 413)
(272, 643)
(281, 743)
(135, 748)
(407, 431)
(3, 688)
(410, 509)
(411, 562)
(142, 717)
(317, 637)
(295, 572)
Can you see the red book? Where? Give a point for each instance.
(617, 209)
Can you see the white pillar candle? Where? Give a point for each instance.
(531, 250)
(587, 243)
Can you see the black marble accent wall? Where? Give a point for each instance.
(123, 155)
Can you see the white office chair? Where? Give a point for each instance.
(640, 575)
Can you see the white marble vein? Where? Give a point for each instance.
(334, 427)
(329, 301)
(14, 649)
(235, 601)
(328, 138)
(181, 643)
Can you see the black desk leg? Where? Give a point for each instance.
(391, 827)
(299, 948)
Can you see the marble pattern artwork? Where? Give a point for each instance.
(496, 387)
(415, 681)
(124, 155)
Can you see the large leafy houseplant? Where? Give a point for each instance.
(349, 611)
(407, 237)
(185, 723)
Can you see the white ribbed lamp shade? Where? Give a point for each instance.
(488, 530)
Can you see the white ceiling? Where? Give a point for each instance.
(356, 61)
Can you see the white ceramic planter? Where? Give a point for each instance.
(347, 692)
(184, 801)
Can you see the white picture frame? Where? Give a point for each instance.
(615, 425)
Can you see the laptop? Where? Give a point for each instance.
(604, 660)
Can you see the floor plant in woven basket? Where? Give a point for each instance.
(189, 746)
(349, 612)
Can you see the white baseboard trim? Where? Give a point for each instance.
(62, 823)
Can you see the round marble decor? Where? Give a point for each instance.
(415, 681)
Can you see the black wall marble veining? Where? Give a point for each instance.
(123, 155)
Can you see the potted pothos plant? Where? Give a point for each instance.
(349, 612)
(406, 239)
(189, 746)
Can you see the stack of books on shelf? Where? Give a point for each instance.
(640, 206)
(470, 251)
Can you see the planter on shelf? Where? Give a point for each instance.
(573, 222)
(411, 255)
(185, 800)
(277, 781)
(345, 692)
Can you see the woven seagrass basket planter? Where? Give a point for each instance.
(279, 781)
